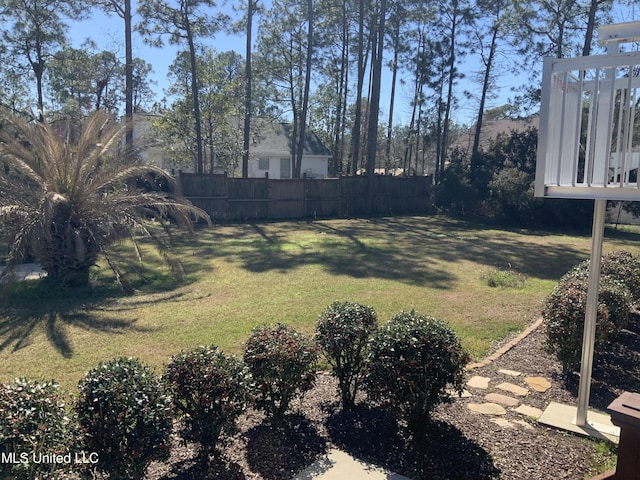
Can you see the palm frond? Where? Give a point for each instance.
(82, 196)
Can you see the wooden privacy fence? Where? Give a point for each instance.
(225, 198)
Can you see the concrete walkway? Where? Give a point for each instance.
(26, 271)
(338, 465)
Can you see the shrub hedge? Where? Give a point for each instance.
(33, 424)
(414, 361)
(342, 333)
(565, 310)
(210, 390)
(125, 416)
(283, 364)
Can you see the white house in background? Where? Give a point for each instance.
(270, 152)
(150, 149)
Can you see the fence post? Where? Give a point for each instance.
(304, 195)
(339, 194)
(267, 192)
(225, 191)
(179, 186)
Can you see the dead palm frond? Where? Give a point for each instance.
(66, 202)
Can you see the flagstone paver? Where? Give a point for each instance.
(528, 411)
(515, 389)
(523, 423)
(487, 408)
(501, 399)
(539, 384)
(502, 422)
(511, 373)
(465, 393)
(479, 382)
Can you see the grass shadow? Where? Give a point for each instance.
(276, 450)
(414, 250)
(36, 306)
(373, 435)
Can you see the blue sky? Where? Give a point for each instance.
(107, 32)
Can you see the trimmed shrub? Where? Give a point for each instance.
(620, 265)
(125, 416)
(564, 314)
(412, 361)
(342, 333)
(33, 423)
(210, 390)
(282, 362)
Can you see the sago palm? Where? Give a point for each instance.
(65, 201)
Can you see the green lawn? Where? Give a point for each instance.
(239, 276)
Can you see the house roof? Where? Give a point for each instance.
(490, 130)
(276, 140)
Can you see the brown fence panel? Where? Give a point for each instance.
(286, 198)
(323, 197)
(226, 198)
(354, 195)
(248, 198)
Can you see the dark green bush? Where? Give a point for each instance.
(565, 309)
(33, 423)
(342, 333)
(210, 390)
(282, 362)
(412, 363)
(125, 416)
(624, 267)
(620, 265)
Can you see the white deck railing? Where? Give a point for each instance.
(589, 134)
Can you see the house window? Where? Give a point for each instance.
(285, 168)
(263, 164)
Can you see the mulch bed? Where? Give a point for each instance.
(459, 444)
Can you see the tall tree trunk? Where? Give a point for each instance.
(374, 103)
(357, 122)
(338, 148)
(128, 76)
(305, 96)
(246, 138)
(452, 74)
(196, 97)
(394, 77)
(483, 98)
(591, 25)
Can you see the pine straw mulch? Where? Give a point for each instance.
(459, 444)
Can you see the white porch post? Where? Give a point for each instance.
(589, 333)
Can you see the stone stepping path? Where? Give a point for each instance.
(497, 396)
(514, 389)
(501, 399)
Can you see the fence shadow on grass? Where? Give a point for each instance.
(372, 434)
